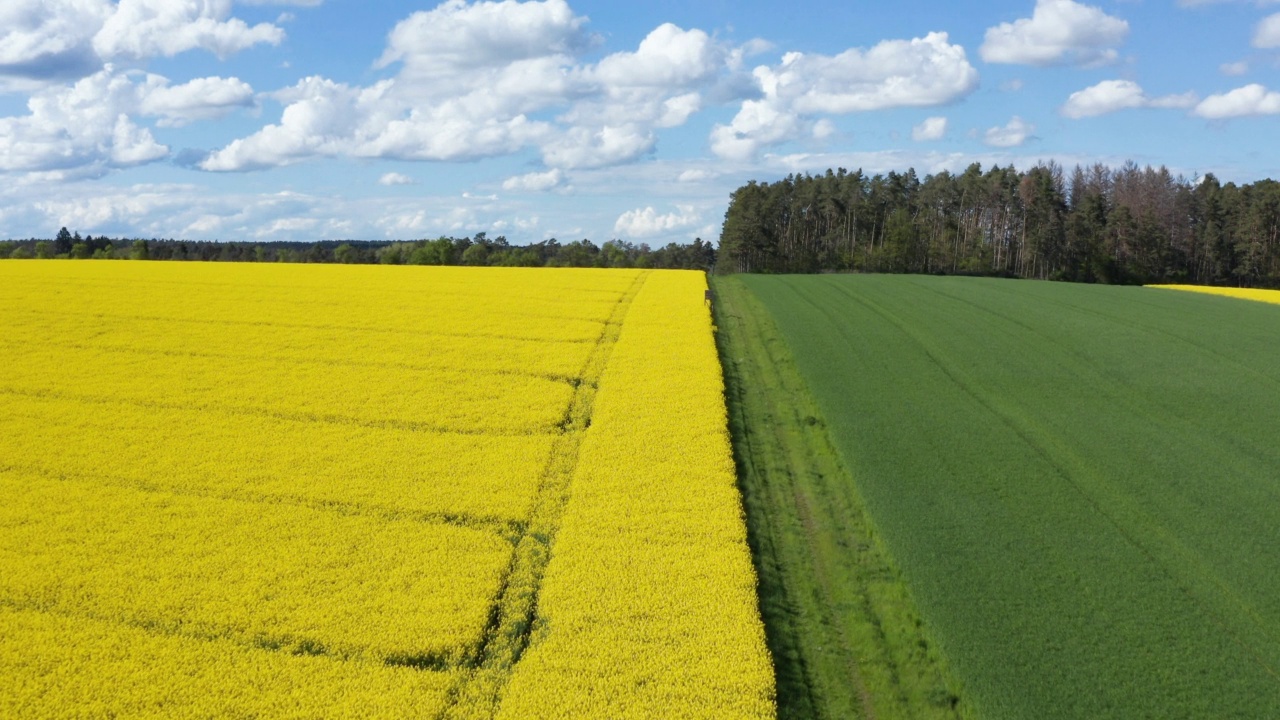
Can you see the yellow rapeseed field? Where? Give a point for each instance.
(240, 490)
(1267, 296)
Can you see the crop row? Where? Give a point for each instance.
(202, 452)
(295, 577)
(444, 400)
(76, 668)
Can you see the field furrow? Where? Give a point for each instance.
(299, 578)
(77, 668)
(398, 471)
(443, 400)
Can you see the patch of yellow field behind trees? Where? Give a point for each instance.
(326, 491)
(1267, 296)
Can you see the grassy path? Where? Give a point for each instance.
(845, 637)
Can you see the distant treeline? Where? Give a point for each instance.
(1091, 224)
(477, 250)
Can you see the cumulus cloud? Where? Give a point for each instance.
(1267, 34)
(920, 72)
(470, 76)
(587, 147)
(44, 41)
(481, 79)
(395, 178)
(90, 126)
(647, 222)
(933, 128)
(146, 28)
(758, 124)
(1234, 69)
(1252, 99)
(895, 73)
(627, 95)
(696, 175)
(199, 99)
(84, 128)
(1058, 31)
(456, 36)
(319, 118)
(1109, 96)
(535, 181)
(1012, 134)
(667, 56)
(50, 39)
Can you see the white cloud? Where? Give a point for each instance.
(824, 129)
(81, 129)
(44, 41)
(895, 73)
(920, 72)
(1111, 95)
(435, 134)
(758, 124)
(627, 95)
(146, 28)
(1234, 69)
(395, 178)
(933, 128)
(49, 39)
(1010, 135)
(89, 127)
(323, 118)
(584, 147)
(319, 119)
(471, 75)
(198, 99)
(1267, 34)
(668, 56)
(646, 222)
(1253, 99)
(1058, 31)
(535, 181)
(696, 175)
(456, 36)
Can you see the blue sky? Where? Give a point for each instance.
(329, 119)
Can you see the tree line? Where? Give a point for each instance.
(1091, 224)
(479, 250)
